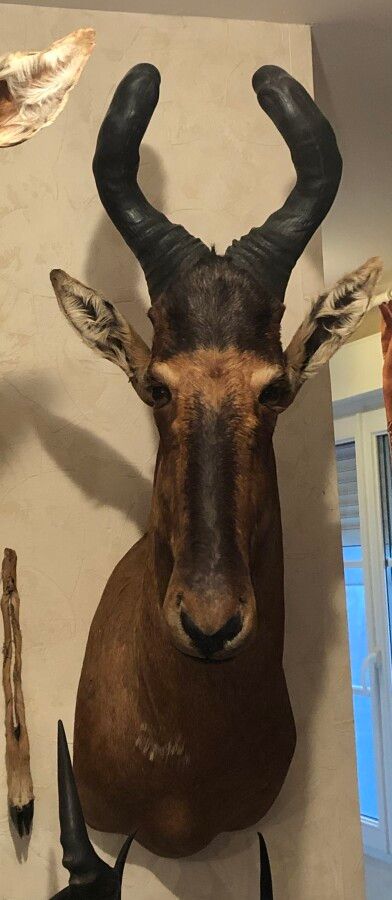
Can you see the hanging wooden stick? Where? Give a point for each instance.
(17, 754)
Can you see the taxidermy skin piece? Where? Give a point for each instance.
(90, 877)
(183, 722)
(17, 749)
(35, 86)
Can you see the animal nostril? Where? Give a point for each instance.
(209, 644)
(179, 598)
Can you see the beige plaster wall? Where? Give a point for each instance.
(77, 446)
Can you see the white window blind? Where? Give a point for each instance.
(348, 494)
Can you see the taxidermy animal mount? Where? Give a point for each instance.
(17, 747)
(183, 722)
(90, 877)
(35, 85)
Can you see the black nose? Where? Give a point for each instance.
(210, 644)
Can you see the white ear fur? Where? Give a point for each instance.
(100, 325)
(333, 317)
(34, 86)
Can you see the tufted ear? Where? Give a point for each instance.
(102, 327)
(35, 85)
(333, 317)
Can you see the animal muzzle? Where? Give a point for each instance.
(211, 622)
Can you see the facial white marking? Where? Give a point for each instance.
(173, 750)
(168, 374)
(264, 375)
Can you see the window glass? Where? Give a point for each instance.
(357, 627)
(384, 462)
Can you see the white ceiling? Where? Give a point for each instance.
(301, 11)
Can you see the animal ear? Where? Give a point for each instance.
(102, 327)
(332, 319)
(35, 86)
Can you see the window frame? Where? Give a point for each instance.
(363, 428)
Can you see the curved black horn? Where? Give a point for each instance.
(266, 892)
(91, 878)
(122, 857)
(160, 246)
(79, 856)
(269, 253)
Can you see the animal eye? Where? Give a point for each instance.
(160, 394)
(274, 394)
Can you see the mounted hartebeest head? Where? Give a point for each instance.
(216, 376)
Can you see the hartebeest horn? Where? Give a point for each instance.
(88, 872)
(161, 247)
(266, 892)
(269, 253)
(79, 856)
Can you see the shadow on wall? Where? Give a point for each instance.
(21, 844)
(87, 459)
(206, 874)
(102, 474)
(53, 878)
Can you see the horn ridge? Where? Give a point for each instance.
(270, 252)
(160, 246)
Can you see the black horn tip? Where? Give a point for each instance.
(145, 68)
(122, 856)
(268, 75)
(61, 736)
(266, 891)
(142, 72)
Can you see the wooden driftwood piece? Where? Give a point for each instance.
(17, 754)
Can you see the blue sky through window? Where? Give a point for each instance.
(356, 615)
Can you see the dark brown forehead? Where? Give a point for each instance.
(216, 375)
(216, 305)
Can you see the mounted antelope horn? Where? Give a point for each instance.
(266, 892)
(161, 247)
(269, 253)
(90, 876)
